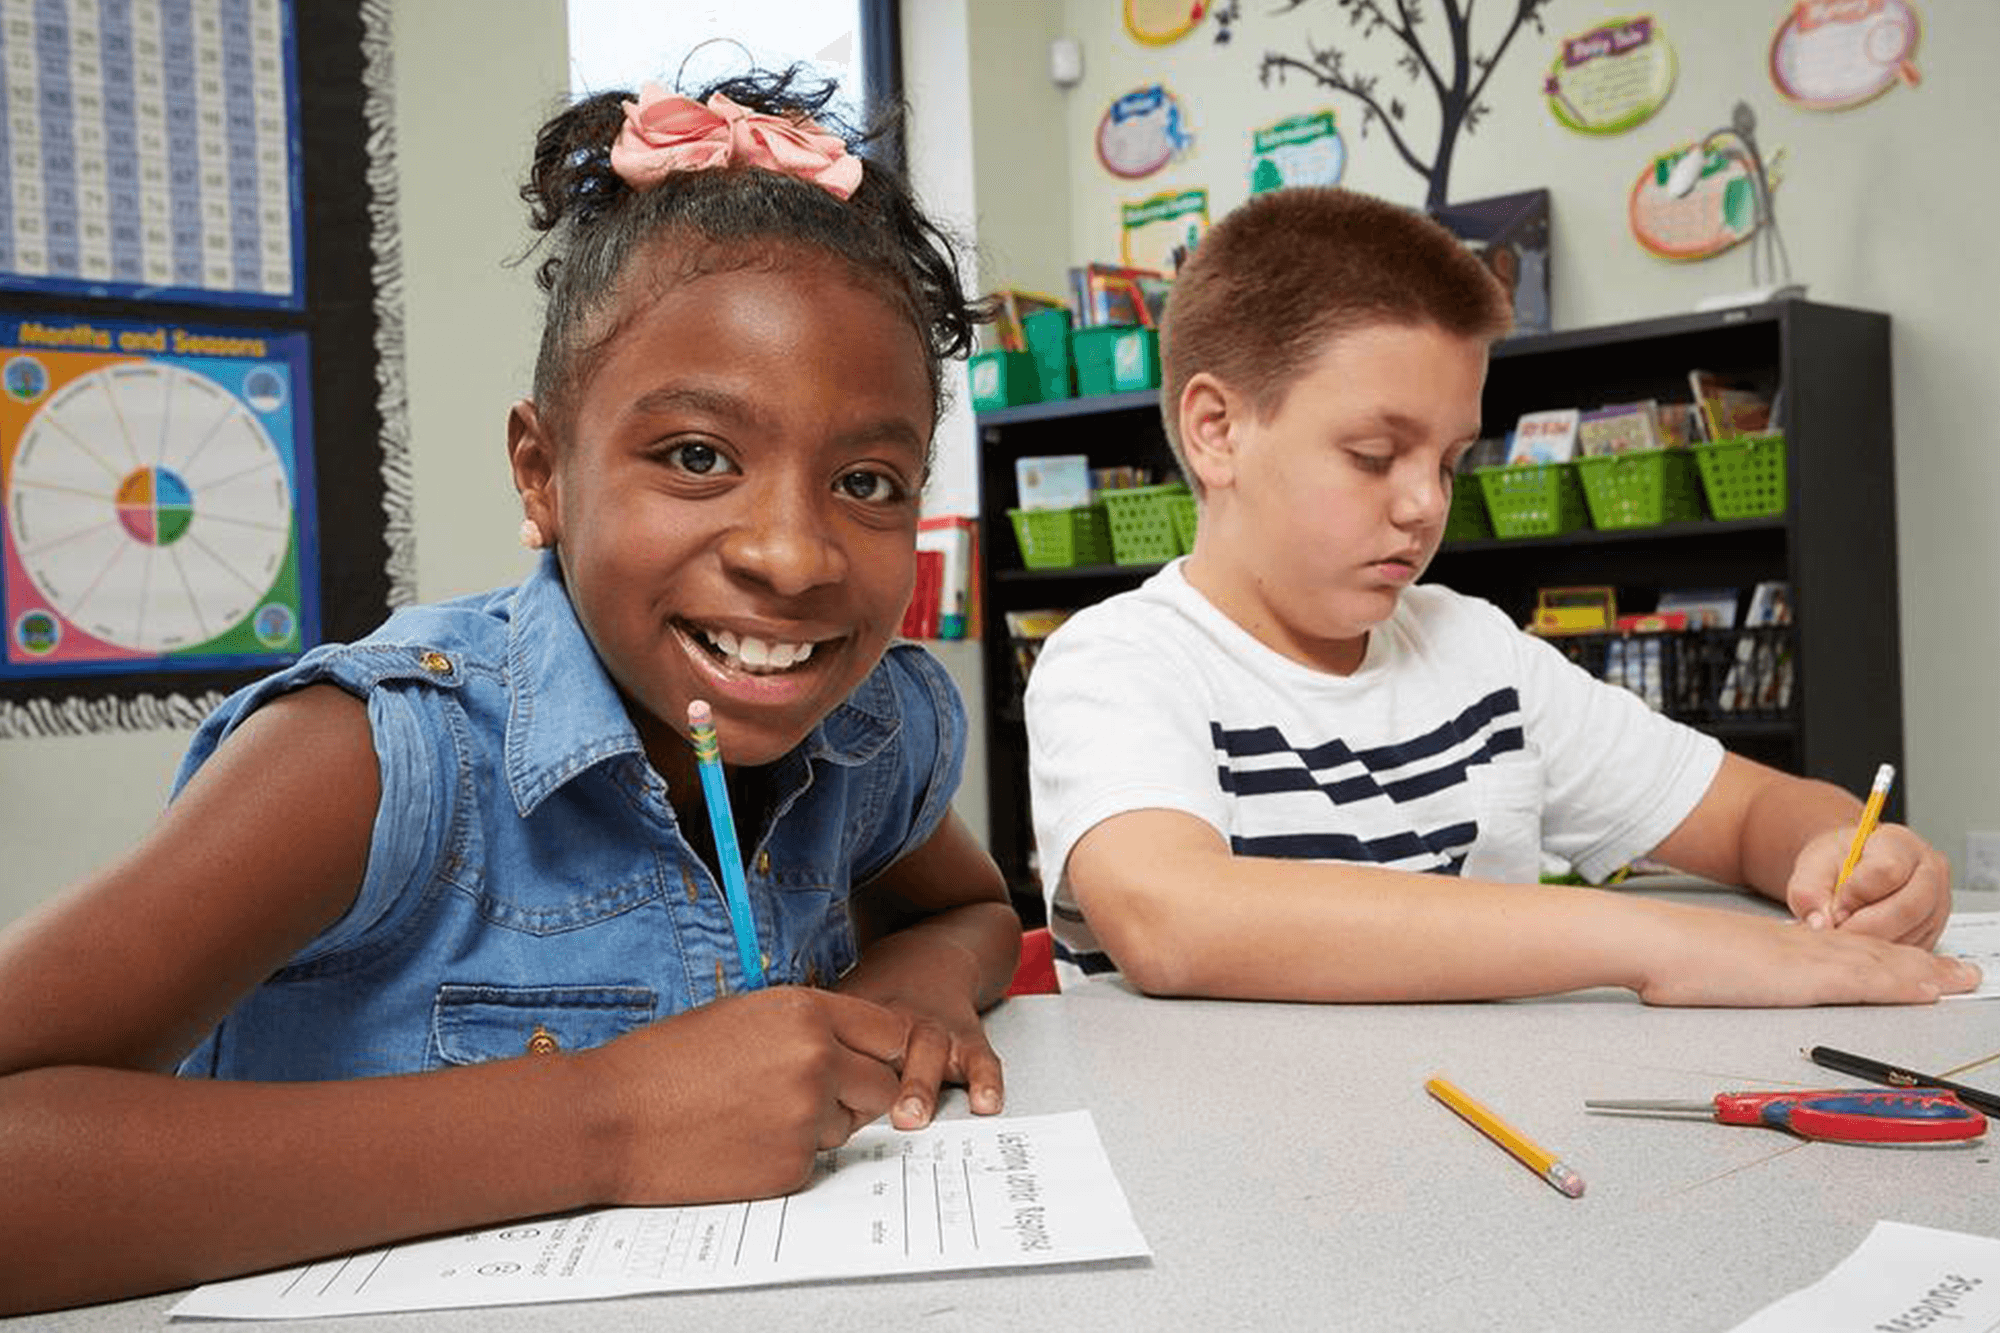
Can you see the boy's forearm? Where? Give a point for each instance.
(1751, 824)
(1268, 929)
(1182, 915)
(1782, 818)
(120, 1182)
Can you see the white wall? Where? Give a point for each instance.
(1886, 206)
(470, 95)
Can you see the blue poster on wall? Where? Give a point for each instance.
(150, 150)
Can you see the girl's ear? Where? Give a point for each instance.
(531, 454)
(1208, 413)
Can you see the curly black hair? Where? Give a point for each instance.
(593, 222)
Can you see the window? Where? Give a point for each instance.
(683, 44)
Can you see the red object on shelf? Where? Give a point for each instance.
(920, 618)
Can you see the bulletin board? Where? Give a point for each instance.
(203, 459)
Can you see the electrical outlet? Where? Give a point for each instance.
(1982, 861)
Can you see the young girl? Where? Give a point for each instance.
(433, 931)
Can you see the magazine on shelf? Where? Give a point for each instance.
(1675, 424)
(1545, 437)
(1619, 428)
(1705, 608)
(1727, 409)
(1008, 331)
(1760, 678)
(1117, 294)
(1052, 481)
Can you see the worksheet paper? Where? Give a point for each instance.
(1975, 937)
(962, 1194)
(1901, 1279)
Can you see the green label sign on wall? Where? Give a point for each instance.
(1298, 150)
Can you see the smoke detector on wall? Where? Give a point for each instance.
(1065, 62)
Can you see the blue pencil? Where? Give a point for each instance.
(715, 790)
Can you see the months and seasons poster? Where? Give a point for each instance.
(158, 486)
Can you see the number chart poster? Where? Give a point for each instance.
(150, 149)
(158, 497)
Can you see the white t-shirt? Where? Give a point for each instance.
(1461, 745)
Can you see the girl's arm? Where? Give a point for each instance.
(939, 941)
(122, 1178)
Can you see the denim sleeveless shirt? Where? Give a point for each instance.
(527, 879)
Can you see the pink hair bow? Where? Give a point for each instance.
(665, 132)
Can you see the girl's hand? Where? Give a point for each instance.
(933, 983)
(1900, 889)
(1707, 956)
(735, 1099)
(939, 944)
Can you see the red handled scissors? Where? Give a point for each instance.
(1847, 1115)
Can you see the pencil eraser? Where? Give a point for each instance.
(698, 713)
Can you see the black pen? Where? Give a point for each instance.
(1876, 1072)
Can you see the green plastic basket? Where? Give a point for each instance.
(1047, 333)
(1061, 538)
(1534, 499)
(1003, 379)
(1744, 477)
(1468, 519)
(1186, 515)
(1642, 489)
(1115, 358)
(1142, 523)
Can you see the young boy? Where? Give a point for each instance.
(1237, 766)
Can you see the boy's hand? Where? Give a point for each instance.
(1706, 956)
(931, 983)
(1900, 889)
(735, 1099)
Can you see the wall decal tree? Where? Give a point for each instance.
(1458, 80)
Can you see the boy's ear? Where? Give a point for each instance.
(531, 455)
(1208, 416)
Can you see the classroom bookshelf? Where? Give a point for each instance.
(1834, 543)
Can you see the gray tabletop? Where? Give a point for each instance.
(1288, 1170)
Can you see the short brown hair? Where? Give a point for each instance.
(1270, 284)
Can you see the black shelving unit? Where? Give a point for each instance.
(1835, 543)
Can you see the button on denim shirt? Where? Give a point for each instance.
(527, 880)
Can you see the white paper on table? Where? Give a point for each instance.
(1975, 937)
(960, 1194)
(1901, 1278)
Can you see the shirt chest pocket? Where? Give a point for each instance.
(471, 1024)
(1507, 803)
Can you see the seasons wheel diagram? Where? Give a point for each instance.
(149, 506)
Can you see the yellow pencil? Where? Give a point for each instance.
(1531, 1155)
(1871, 814)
